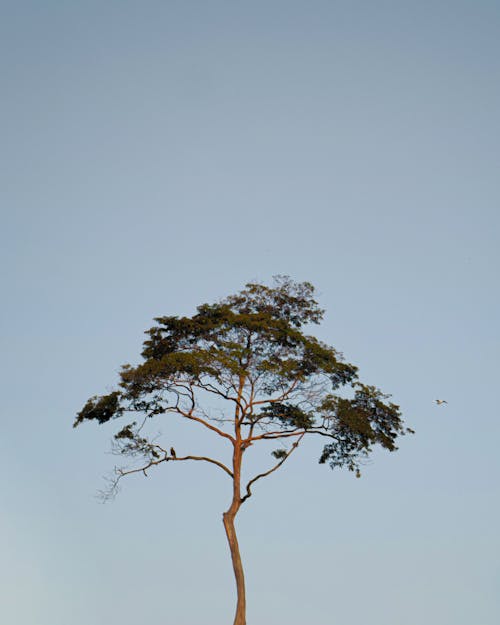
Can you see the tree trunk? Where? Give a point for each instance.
(228, 519)
(229, 516)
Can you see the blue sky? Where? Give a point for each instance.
(158, 155)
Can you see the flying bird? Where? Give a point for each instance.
(172, 452)
(440, 401)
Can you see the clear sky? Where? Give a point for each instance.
(159, 154)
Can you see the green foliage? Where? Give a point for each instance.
(126, 432)
(100, 409)
(289, 415)
(355, 425)
(253, 341)
(279, 454)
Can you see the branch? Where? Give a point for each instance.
(287, 433)
(121, 473)
(189, 415)
(210, 388)
(279, 434)
(284, 395)
(277, 466)
(211, 460)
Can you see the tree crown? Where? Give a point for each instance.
(250, 350)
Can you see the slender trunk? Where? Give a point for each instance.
(229, 516)
(228, 519)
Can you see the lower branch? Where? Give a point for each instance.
(211, 460)
(121, 473)
(275, 468)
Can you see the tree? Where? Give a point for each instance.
(249, 351)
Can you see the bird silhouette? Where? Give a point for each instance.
(172, 452)
(439, 402)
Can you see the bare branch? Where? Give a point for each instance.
(192, 417)
(108, 494)
(208, 425)
(272, 470)
(278, 434)
(321, 430)
(206, 459)
(210, 388)
(121, 473)
(286, 392)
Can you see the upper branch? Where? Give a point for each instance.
(189, 415)
(210, 388)
(288, 433)
(284, 395)
(277, 434)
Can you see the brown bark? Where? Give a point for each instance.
(230, 515)
(240, 615)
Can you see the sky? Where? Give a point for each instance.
(159, 155)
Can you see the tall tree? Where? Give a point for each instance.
(249, 351)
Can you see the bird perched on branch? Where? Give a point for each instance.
(172, 452)
(439, 402)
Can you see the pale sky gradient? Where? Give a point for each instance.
(159, 154)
